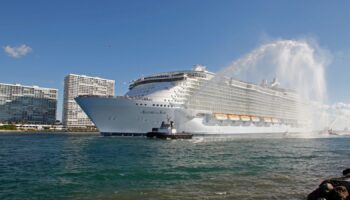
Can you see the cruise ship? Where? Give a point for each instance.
(198, 102)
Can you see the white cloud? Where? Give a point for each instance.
(17, 52)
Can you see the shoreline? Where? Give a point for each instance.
(48, 132)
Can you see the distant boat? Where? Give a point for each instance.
(339, 132)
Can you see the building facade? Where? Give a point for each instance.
(75, 85)
(27, 104)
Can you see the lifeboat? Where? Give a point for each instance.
(274, 120)
(255, 119)
(233, 117)
(267, 119)
(245, 118)
(220, 116)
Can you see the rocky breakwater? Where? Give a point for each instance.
(333, 188)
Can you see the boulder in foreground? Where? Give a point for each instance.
(333, 188)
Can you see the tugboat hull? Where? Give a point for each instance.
(169, 136)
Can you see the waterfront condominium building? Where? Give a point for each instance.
(75, 85)
(27, 104)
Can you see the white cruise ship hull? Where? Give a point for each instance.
(122, 115)
(125, 116)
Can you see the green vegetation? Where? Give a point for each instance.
(83, 129)
(8, 127)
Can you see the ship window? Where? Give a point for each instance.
(154, 104)
(137, 104)
(140, 104)
(157, 104)
(145, 104)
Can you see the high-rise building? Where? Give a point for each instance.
(75, 85)
(27, 104)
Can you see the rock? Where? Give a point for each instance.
(333, 189)
(322, 192)
(340, 193)
(327, 187)
(346, 172)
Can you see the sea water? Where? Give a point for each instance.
(67, 166)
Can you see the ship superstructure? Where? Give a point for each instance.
(199, 102)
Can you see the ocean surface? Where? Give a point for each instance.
(68, 166)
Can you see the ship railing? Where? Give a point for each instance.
(120, 97)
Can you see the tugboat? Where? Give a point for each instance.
(344, 132)
(167, 131)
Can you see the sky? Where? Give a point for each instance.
(43, 41)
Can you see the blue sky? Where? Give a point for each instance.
(123, 40)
